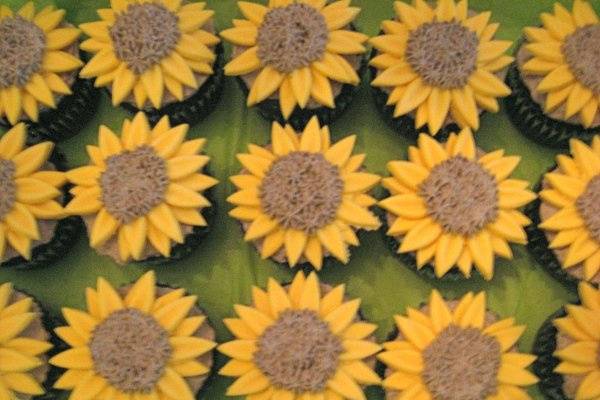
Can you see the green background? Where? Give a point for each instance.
(223, 269)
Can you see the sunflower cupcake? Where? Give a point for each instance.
(39, 66)
(555, 81)
(141, 197)
(161, 57)
(302, 199)
(435, 69)
(139, 341)
(297, 58)
(568, 349)
(565, 236)
(34, 230)
(304, 340)
(453, 207)
(456, 350)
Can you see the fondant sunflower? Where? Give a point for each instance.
(142, 47)
(441, 64)
(140, 342)
(562, 52)
(579, 344)
(302, 341)
(572, 192)
(23, 344)
(28, 193)
(302, 196)
(296, 48)
(456, 350)
(454, 206)
(141, 189)
(36, 56)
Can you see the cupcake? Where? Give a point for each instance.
(33, 229)
(568, 349)
(160, 57)
(39, 66)
(456, 350)
(452, 207)
(304, 340)
(139, 341)
(565, 236)
(556, 78)
(297, 59)
(301, 199)
(437, 69)
(141, 197)
(24, 344)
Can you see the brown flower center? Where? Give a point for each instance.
(444, 54)
(292, 37)
(588, 205)
(299, 352)
(302, 191)
(144, 34)
(134, 183)
(583, 56)
(462, 364)
(8, 189)
(461, 196)
(130, 350)
(22, 46)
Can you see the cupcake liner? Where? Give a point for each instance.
(195, 108)
(538, 245)
(551, 383)
(530, 119)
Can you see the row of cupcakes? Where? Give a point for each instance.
(302, 199)
(306, 339)
(434, 69)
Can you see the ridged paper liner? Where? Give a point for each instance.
(195, 108)
(530, 119)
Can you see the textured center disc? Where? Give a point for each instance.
(144, 34)
(461, 196)
(444, 54)
(302, 191)
(134, 183)
(462, 364)
(8, 189)
(292, 37)
(130, 350)
(588, 205)
(582, 53)
(298, 352)
(22, 46)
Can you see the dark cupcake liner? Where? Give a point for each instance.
(530, 119)
(66, 233)
(551, 383)
(195, 108)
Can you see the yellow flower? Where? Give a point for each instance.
(28, 191)
(461, 78)
(298, 342)
(580, 359)
(141, 343)
(20, 353)
(303, 195)
(452, 350)
(141, 187)
(142, 47)
(572, 192)
(559, 54)
(455, 207)
(295, 48)
(35, 54)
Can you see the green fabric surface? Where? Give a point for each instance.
(223, 269)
